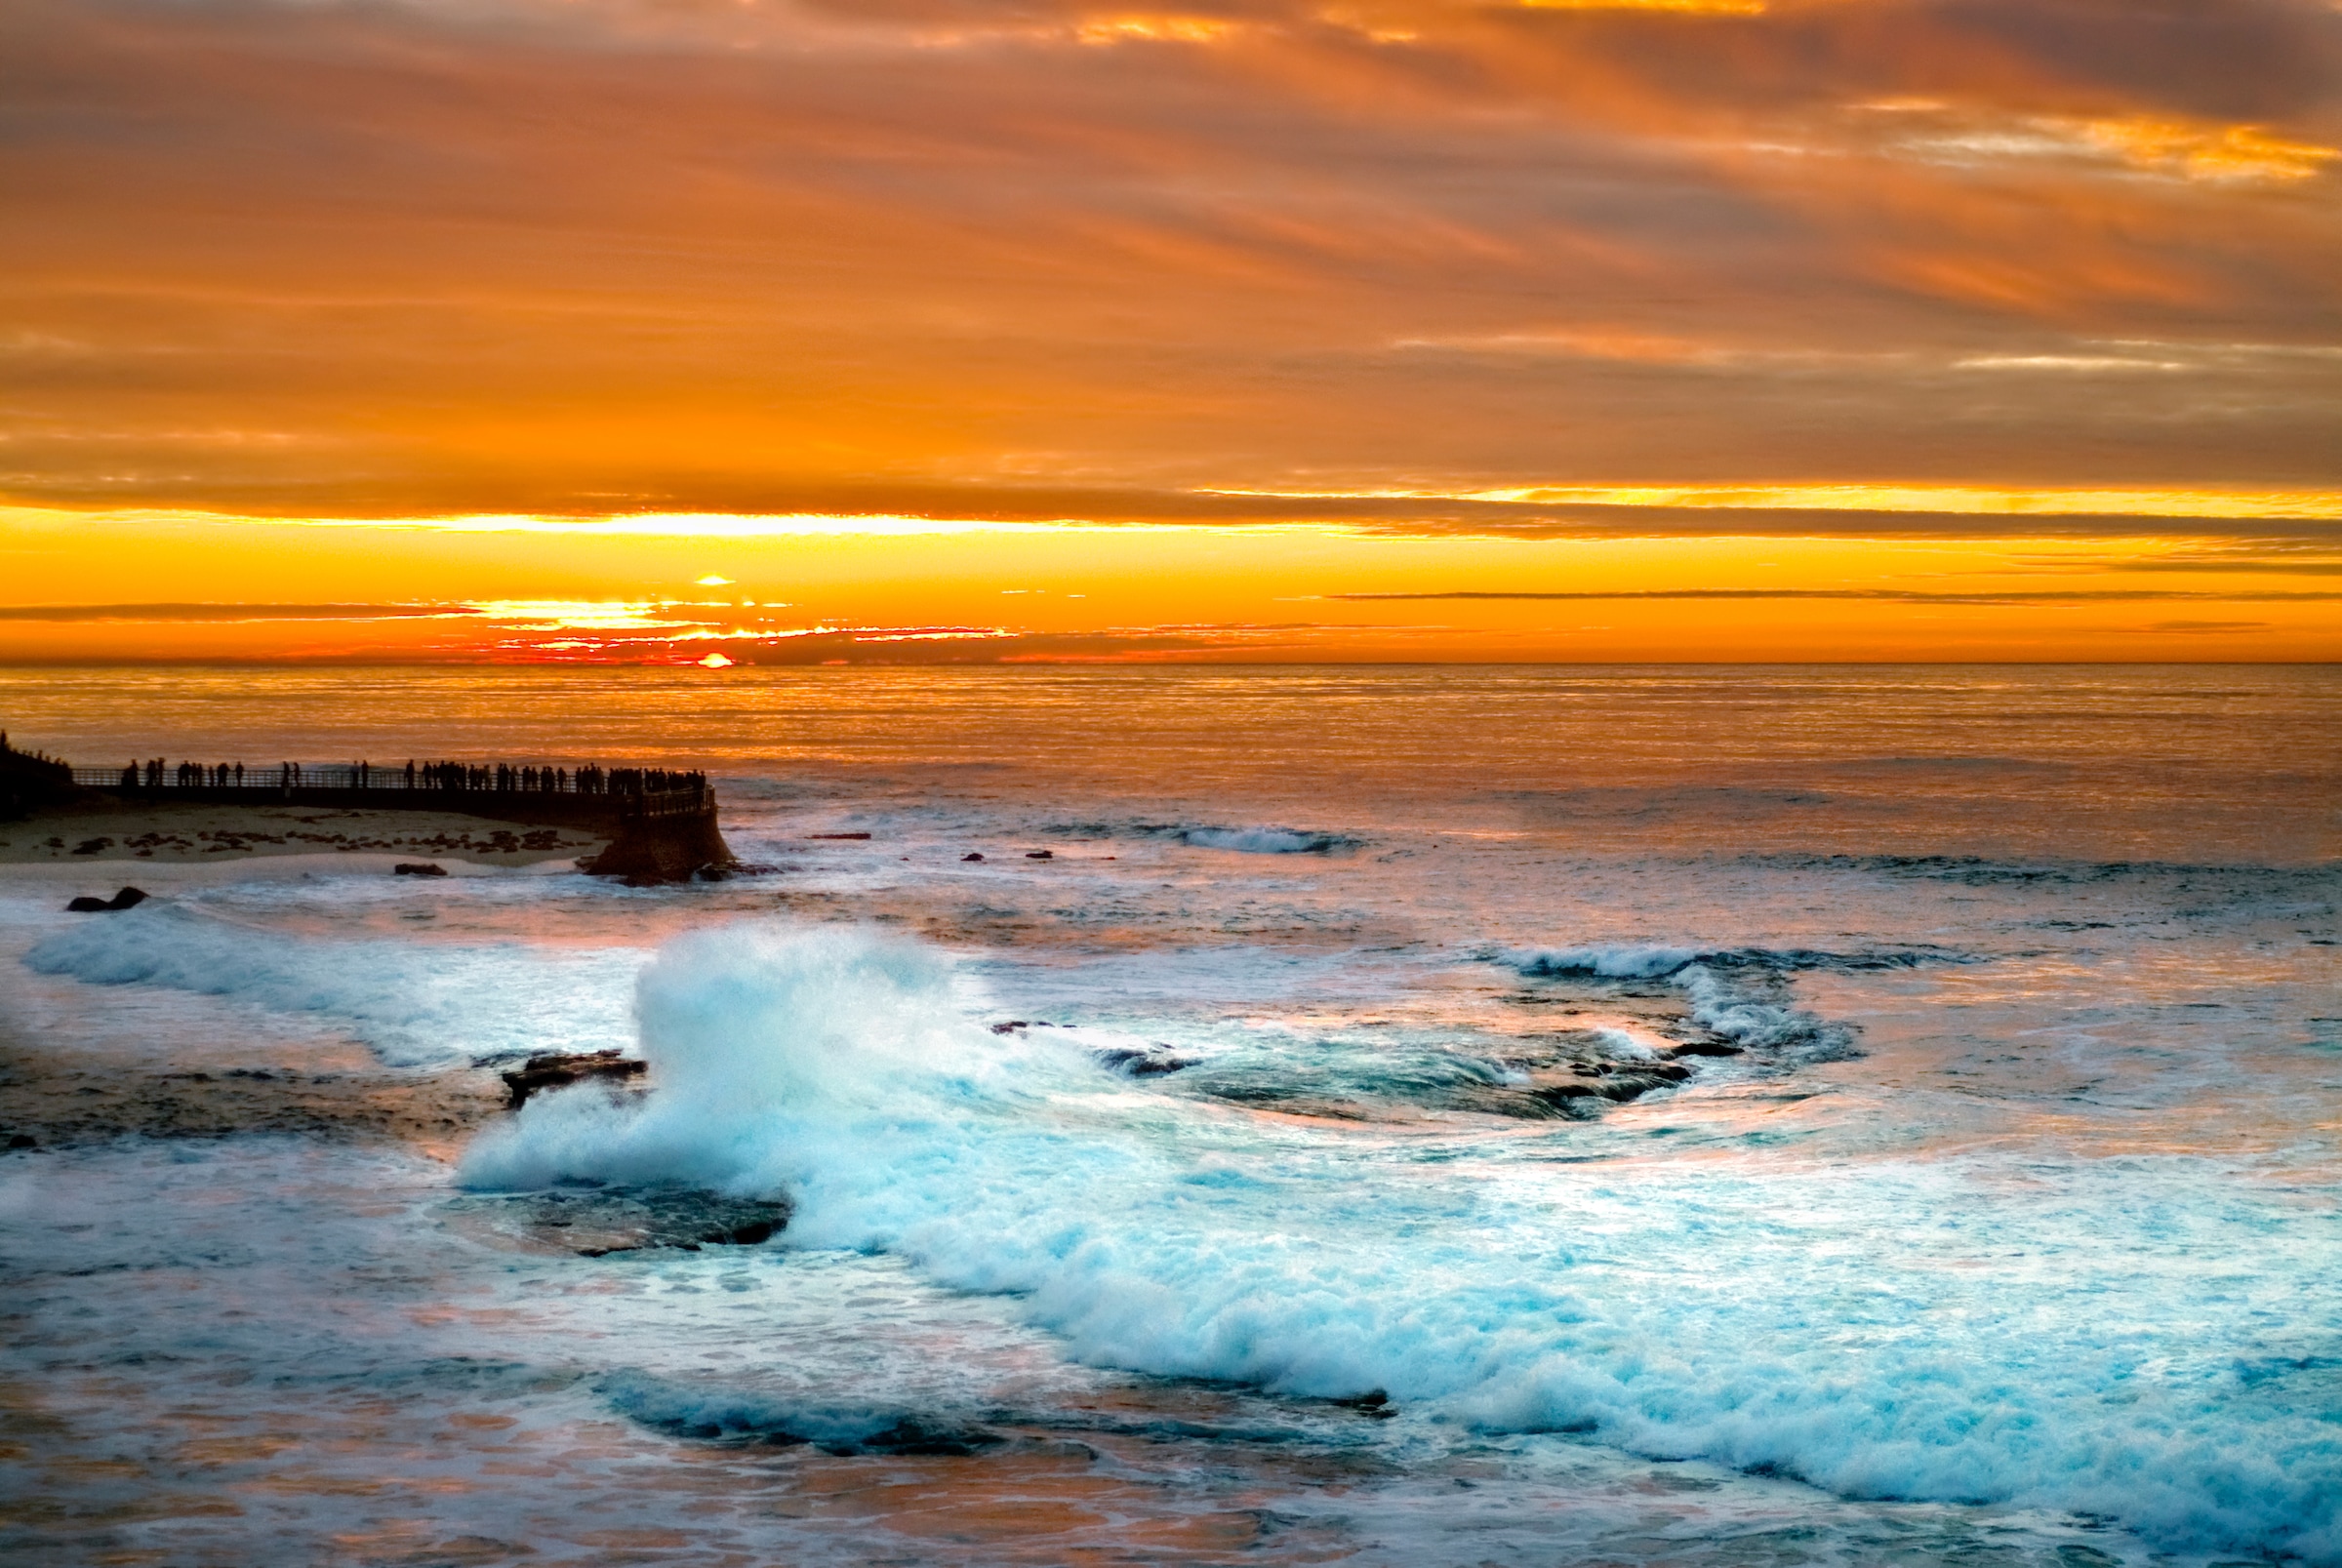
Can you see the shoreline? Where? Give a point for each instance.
(138, 833)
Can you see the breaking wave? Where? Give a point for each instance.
(1264, 840)
(1885, 1334)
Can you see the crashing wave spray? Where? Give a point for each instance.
(1883, 1331)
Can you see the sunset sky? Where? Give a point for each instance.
(805, 330)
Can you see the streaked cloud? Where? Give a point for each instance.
(587, 271)
(231, 612)
(1996, 597)
(1936, 501)
(2217, 153)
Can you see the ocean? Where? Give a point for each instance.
(1385, 1115)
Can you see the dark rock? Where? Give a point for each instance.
(1705, 1048)
(1011, 1026)
(595, 1223)
(419, 869)
(917, 1437)
(1142, 1063)
(127, 899)
(1041, 855)
(669, 847)
(744, 1422)
(23, 1141)
(29, 781)
(971, 857)
(838, 836)
(1554, 1093)
(91, 846)
(558, 1069)
(1375, 1402)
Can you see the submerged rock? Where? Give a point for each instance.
(596, 1221)
(127, 899)
(1146, 1063)
(419, 869)
(718, 1413)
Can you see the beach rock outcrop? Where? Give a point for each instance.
(419, 869)
(127, 899)
(30, 781)
(668, 845)
(558, 1069)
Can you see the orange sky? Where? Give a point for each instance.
(1018, 329)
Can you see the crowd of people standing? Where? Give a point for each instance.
(528, 778)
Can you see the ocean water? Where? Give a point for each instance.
(1991, 1218)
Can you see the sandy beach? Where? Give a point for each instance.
(105, 831)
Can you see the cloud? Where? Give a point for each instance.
(1051, 260)
(230, 612)
(1982, 596)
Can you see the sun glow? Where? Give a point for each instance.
(2213, 152)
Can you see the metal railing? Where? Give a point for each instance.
(672, 789)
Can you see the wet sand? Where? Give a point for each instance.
(140, 831)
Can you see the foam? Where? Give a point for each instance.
(1720, 985)
(1262, 840)
(1883, 1332)
(412, 1005)
(765, 1042)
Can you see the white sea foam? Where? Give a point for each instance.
(412, 1005)
(1613, 961)
(767, 1043)
(1882, 1332)
(1262, 840)
(1716, 982)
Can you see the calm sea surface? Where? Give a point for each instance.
(1996, 1221)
